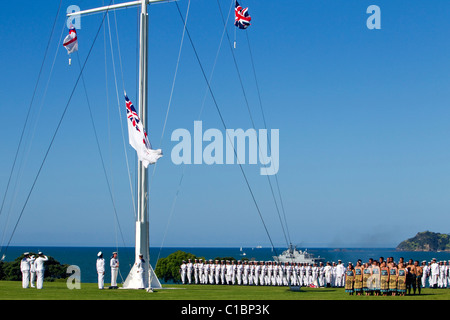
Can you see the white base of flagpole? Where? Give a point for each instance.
(133, 281)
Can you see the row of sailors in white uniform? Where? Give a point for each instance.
(437, 274)
(33, 270)
(262, 273)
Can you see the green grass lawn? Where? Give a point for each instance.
(12, 290)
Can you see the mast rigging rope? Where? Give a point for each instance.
(56, 131)
(251, 117)
(265, 126)
(225, 126)
(30, 105)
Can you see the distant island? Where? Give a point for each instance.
(426, 241)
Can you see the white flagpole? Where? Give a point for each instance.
(142, 220)
(142, 225)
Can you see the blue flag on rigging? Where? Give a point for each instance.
(241, 17)
(138, 137)
(71, 41)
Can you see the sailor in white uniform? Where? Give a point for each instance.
(328, 271)
(442, 281)
(100, 266)
(217, 272)
(283, 268)
(211, 272)
(280, 274)
(271, 271)
(114, 264)
(246, 272)
(25, 269)
(308, 269)
(448, 274)
(340, 274)
(266, 273)
(251, 272)
(315, 275)
(304, 279)
(333, 274)
(239, 272)
(321, 275)
(32, 272)
(296, 273)
(205, 273)
(183, 268)
(258, 270)
(40, 269)
(200, 271)
(195, 266)
(228, 272)
(223, 270)
(190, 268)
(287, 274)
(140, 269)
(434, 274)
(233, 272)
(441, 274)
(425, 274)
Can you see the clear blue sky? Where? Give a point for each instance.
(362, 115)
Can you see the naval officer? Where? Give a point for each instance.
(217, 272)
(426, 273)
(183, 272)
(190, 268)
(140, 268)
(40, 269)
(196, 267)
(246, 272)
(100, 266)
(340, 275)
(114, 264)
(25, 269)
(434, 271)
(32, 272)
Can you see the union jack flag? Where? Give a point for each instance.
(242, 18)
(132, 114)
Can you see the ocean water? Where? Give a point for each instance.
(85, 257)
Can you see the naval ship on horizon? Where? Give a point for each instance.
(292, 254)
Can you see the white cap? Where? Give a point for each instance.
(99, 254)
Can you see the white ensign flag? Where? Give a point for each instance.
(138, 137)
